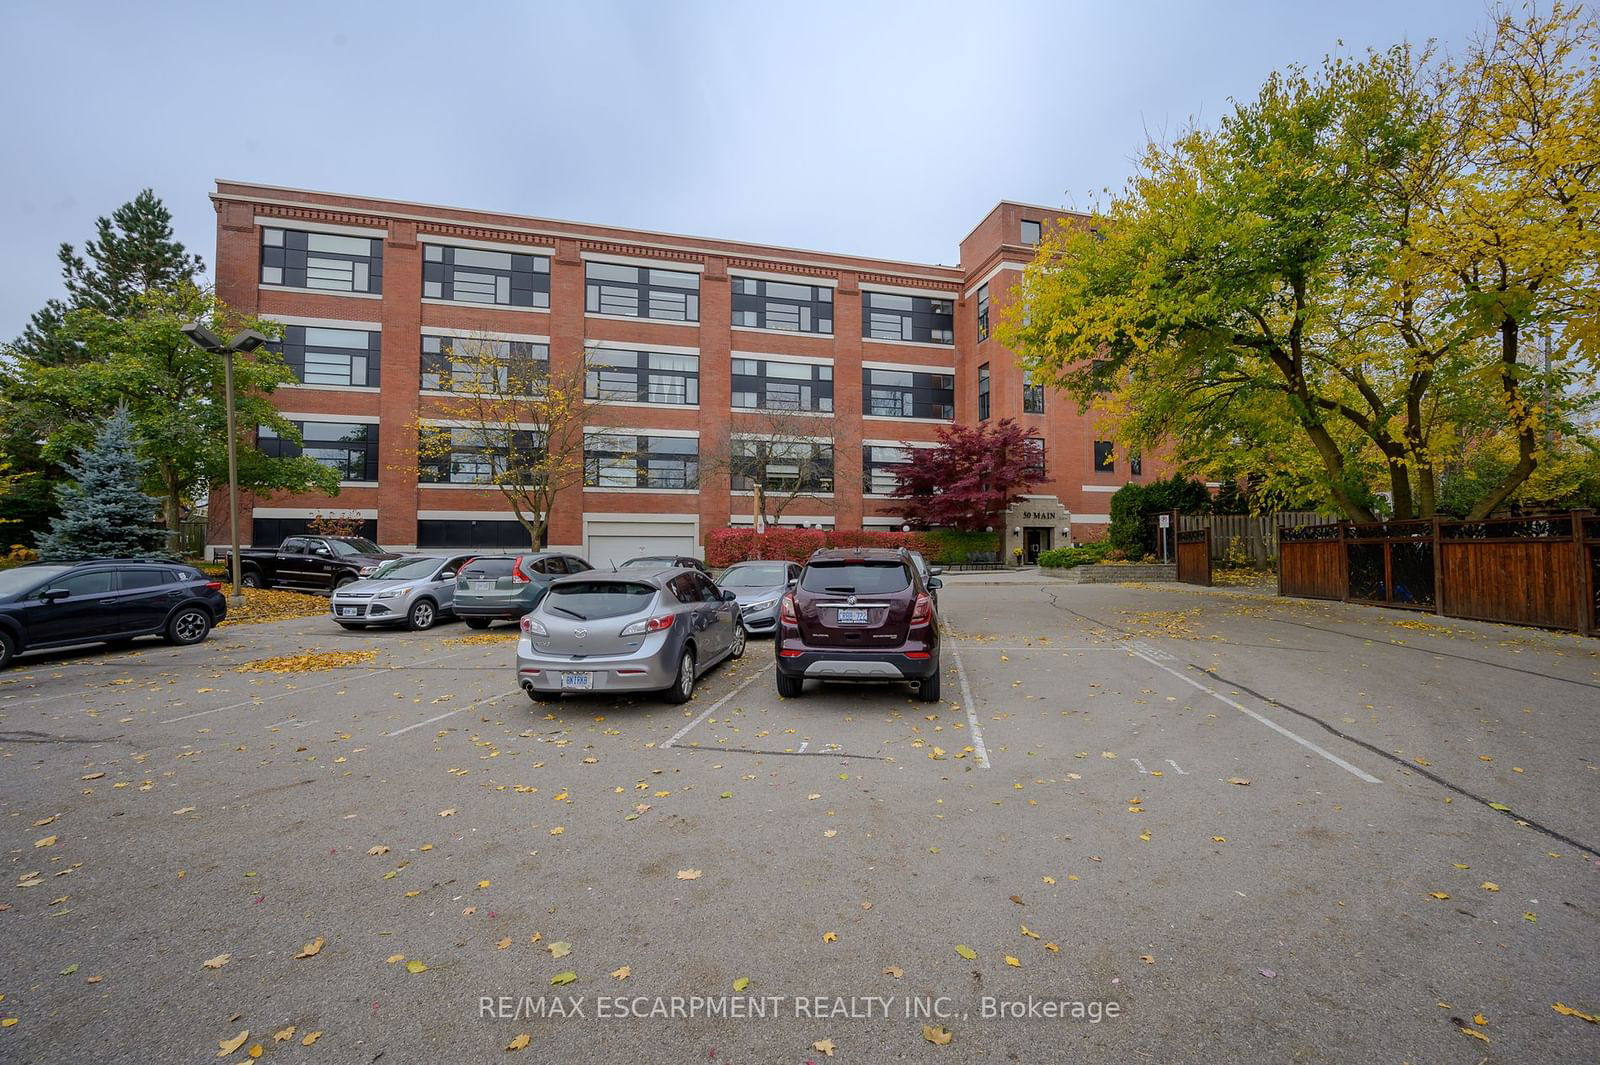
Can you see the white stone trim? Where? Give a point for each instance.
(785, 438)
(996, 269)
(465, 515)
(1101, 487)
(903, 290)
(779, 332)
(639, 260)
(767, 356)
(477, 334)
(913, 421)
(597, 316)
(364, 513)
(669, 518)
(329, 323)
(374, 389)
(485, 245)
(809, 519)
(903, 443)
(433, 301)
(310, 226)
(925, 345)
(624, 345)
(618, 430)
(1091, 519)
(363, 419)
(601, 490)
(869, 364)
(264, 287)
(774, 275)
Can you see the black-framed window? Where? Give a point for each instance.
(907, 394)
(461, 364)
(351, 448)
(983, 311)
(782, 465)
(878, 465)
(1032, 398)
(767, 384)
(500, 534)
(325, 261)
(1030, 231)
(784, 305)
(495, 278)
(1104, 457)
(1135, 464)
(641, 292)
(892, 316)
(324, 355)
(271, 532)
(474, 456)
(1034, 446)
(642, 377)
(983, 392)
(628, 460)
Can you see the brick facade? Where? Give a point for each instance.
(591, 520)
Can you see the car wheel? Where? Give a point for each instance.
(683, 685)
(251, 579)
(351, 625)
(789, 687)
(189, 625)
(422, 615)
(476, 623)
(928, 687)
(739, 640)
(543, 697)
(342, 581)
(8, 648)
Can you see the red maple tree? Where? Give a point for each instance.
(975, 473)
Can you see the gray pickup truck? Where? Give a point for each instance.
(320, 562)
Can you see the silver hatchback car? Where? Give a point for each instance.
(627, 632)
(414, 592)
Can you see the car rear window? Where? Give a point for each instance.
(489, 567)
(588, 600)
(856, 578)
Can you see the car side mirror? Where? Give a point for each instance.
(729, 595)
(934, 571)
(793, 581)
(934, 582)
(447, 575)
(52, 595)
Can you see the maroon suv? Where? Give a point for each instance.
(858, 614)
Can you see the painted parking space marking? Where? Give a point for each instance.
(292, 722)
(713, 708)
(1149, 651)
(1358, 773)
(485, 701)
(970, 706)
(1175, 768)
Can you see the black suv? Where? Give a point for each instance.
(859, 614)
(45, 605)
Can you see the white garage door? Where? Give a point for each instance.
(608, 542)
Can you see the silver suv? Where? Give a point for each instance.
(414, 592)
(627, 632)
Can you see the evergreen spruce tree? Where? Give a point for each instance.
(103, 512)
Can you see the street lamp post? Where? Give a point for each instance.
(248, 340)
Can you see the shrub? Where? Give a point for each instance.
(1133, 504)
(950, 547)
(724, 547)
(1067, 557)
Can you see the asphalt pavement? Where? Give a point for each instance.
(1195, 824)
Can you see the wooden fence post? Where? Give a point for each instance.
(1581, 585)
(1438, 571)
(1344, 556)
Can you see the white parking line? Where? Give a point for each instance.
(1360, 774)
(972, 715)
(708, 711)
(451, 713)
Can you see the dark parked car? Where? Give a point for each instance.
(759, 586)
(655, 562)
(320, 562)
(505, 587)
(105, 601)
(859, 614)
(927, 573)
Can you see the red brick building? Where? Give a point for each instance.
(692, 340)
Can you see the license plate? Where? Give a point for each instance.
(852, 617)
(348, 611)
(481, 586)
(577, 681)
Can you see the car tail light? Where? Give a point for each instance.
(215, 586)
(922, 610)
(516, 572)
(786, 608)
(655, 624)
(532, 627)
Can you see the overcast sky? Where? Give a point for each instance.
(877, 128)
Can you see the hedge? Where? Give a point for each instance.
(1067, 557)
(940, 547)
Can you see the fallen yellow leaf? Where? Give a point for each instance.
(311, 949)
(937, 1036)
(741, 983)
(1013, 962)
(829, 937)
(825, 1046)
(622, 973)
(503, 944)
(688, 874)
(311, 1037)
(1475, 1034)
(216, 963)
(283, 1035)
(1490, 885)
(393, 958)
(1568, 1011)
(519, 1042)
(1438, 894)
(894, 971)
(228, 1046)
(414, 967)
(48, 841)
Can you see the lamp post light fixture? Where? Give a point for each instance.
(249, 340)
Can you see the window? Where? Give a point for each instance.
(642, 377)
(1030, 231)
(1135, 464)
(94, 582)
(891, 316)
(765, 384)
(1036, 455)
(454, 364)
(497, 278)
(782, 465)
(497, 534)
(145, 577)
(983, 392)
(641, 292)
(625, 460)
(878, 465)
(1104, 457)
(1032, 398)
(273, 532)
(319, 355)
(473, 456)
(759, 304)
(983, 312)
(321, 260)
(351, 448)
(860, 578)
(908, 394)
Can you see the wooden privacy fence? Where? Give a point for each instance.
(1256, 534)
(1542, 571)
(1194, 556)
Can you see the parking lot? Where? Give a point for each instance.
(1264, 829)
